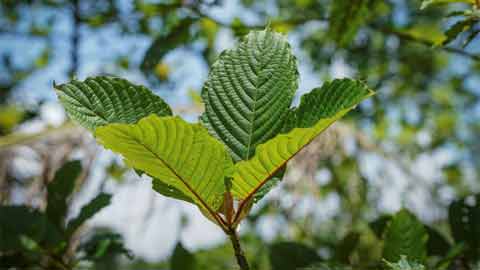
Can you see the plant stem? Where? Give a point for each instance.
(241, 259)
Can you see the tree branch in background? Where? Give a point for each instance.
(75, 38)
(408, 37)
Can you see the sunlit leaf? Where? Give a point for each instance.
(181, 155)
(316, 112)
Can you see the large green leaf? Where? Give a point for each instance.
(249, 91)
(59, 189)
(102, 100)
(316, 112)
(405, 235)
(181, 155)
(88, 211)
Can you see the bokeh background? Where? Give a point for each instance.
(414, 145)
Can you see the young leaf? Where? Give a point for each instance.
(104, 100)
(98, 203)
(464, 218)
(405, 235)
(177, 153)
(59, 189)
(249, 91)
(317, 111)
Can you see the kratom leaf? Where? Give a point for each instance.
(179, 154)
(316, 112)
(405, 235)
(59, 189)
(104, 100)
(248, 92)
(88, 211)
(464, 218)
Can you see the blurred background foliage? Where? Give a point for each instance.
(412, 146)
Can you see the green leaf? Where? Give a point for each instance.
(178, 35)
(181, 155)
(105, 244)
(317, 111)
(104, 100)
(456, 29)
(404, 264)
(59, 189)
(248, 92)
(346, 247)
(182, 259)
(290, 255)
(88, 211)
(346, 17)
(405, 235)
(427, 3)
(21, 222)
(437, 243)
(464, 218)
(378, 225)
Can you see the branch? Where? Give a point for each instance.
(426, 42)
(239, 254)
(21, 139)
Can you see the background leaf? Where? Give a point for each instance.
(464, 218)
(182, 259)
(405, 235)
(88, 211)
(59, 189)
(290, 255)
(20, 221)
